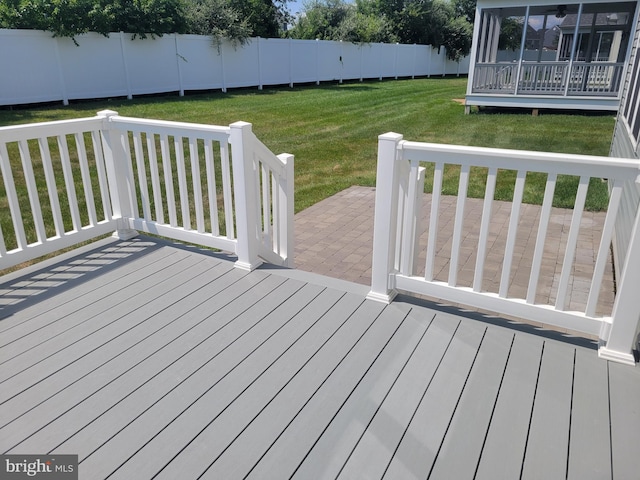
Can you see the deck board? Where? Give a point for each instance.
(590, 446)
(421, 442)
(548, 441)
(504, 445)
(147, 358)
(624, 385)
(462, 446)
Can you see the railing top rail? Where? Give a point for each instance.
(561, 163)
(16, 133)
(265, 155)
(171, 128)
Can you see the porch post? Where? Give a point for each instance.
(385, 218)
(244, 190)
(118, 176)
(522, 45)
(573, 51)
(473, 58)
(622, 337)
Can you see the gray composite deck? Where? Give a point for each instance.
(150, 359)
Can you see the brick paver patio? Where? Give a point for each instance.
(334, 238)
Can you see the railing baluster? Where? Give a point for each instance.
(133, 203)
(143, 184)
(513, 231)
(418, 216)
(227, 191)
(543, 224)
(86, 179)
(266, 200)
(211, 187)
(155, 176)
(458, 225)
(32, 190)
(182, 182)
(403, 188)
(194, 158)
(410, 220)
(52, 189)
(274, 229)
(605, 243)
(102, 174)
(165, 151)
(69, 182)
(3, 246)
(484, 228)
(12, 198)
(436, 194)
(572, 240)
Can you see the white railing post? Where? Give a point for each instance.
(285, 204)
(118, 177)
(244, 189)
(621, 339)
(385, 219)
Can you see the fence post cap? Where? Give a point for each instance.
(241, 125)
(390, 136)
(107, 113)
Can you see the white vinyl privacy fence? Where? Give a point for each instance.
(40, 68)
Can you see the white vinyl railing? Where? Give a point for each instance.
(190, 182)
(549, 78)
(400, 183)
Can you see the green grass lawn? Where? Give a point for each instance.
(332, 129)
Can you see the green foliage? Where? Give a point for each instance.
(360, 28)
(428, 22)
(511, 33)
(259, 15)
(321, 20)
(457, 39)
(68, 18)
(233, 19)
(218, 20)
(424, 21)
(466, 9)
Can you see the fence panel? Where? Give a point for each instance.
(30, 70)
(44, 68)
(200, 63)
(151, 65)
(274, 61)
(88, 75)
(241, 64)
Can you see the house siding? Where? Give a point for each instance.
(624, 145)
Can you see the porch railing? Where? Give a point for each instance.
(549, 78)
(398, 224)
(495, 78)
(70, 181)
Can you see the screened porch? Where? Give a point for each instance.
(551, 55)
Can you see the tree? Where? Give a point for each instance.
(424, 21)
(264, 17)
(68, 18)
(321, 19)
(466, 9)
(511, 33)
(216, 18)
(458, 35)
